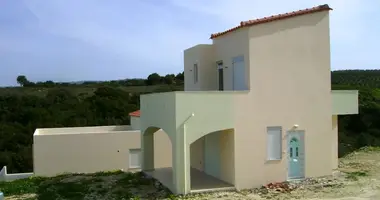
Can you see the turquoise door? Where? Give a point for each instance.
(295, 156)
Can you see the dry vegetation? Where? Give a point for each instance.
(358, 178)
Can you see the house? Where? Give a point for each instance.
(257, 107)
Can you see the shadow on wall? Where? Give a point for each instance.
(4, 176)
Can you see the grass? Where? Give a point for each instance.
(355, 175)
(102, 185)
(369, 149)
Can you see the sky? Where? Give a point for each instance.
(75, 40)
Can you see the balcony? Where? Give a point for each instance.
(213, 110)
(345, 102)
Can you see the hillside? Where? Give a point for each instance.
(363, 78)
(48, 104)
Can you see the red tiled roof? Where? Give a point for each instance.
(248, 23)
(135, 113)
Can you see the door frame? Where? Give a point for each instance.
(219, 68)
(300, 136)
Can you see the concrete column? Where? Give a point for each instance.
(181, 163)
(335, 143)
(147, 147)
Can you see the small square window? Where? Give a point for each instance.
(134, 158)
(291, 152)
(274, 143)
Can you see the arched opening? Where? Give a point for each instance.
(209, 161)
(212, 161)
(157, 155)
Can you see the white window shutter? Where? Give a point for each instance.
(134, 158)
(274, 143)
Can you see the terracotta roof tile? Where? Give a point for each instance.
(135, 113)
(248, 23)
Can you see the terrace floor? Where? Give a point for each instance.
(200, 181)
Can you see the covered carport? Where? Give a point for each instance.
(186, 118)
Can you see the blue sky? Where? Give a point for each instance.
(72, 40)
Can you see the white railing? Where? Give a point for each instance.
(4, 176)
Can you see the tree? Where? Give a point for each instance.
(180, 76)
(169, 79)
(100, 103)
(22, 80)
(153, 79)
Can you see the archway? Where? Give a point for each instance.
(157, 155)
(212, 162)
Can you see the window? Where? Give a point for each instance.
(134, 158)
(195, 73)
(291, 152)
(274, 143)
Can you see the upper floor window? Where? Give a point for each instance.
(195, 70)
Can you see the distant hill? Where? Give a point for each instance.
(361, 78)
(95, 103)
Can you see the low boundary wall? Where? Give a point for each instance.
(4, 176)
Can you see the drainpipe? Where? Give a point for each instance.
(185, 147)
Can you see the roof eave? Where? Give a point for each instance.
(249, 23)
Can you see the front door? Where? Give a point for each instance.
(296, 155)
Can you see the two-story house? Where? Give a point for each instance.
(257, 107)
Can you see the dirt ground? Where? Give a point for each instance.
(358, 178)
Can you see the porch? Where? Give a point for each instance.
(200, 181)
(190, 120)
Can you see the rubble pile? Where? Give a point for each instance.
(279, 187)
